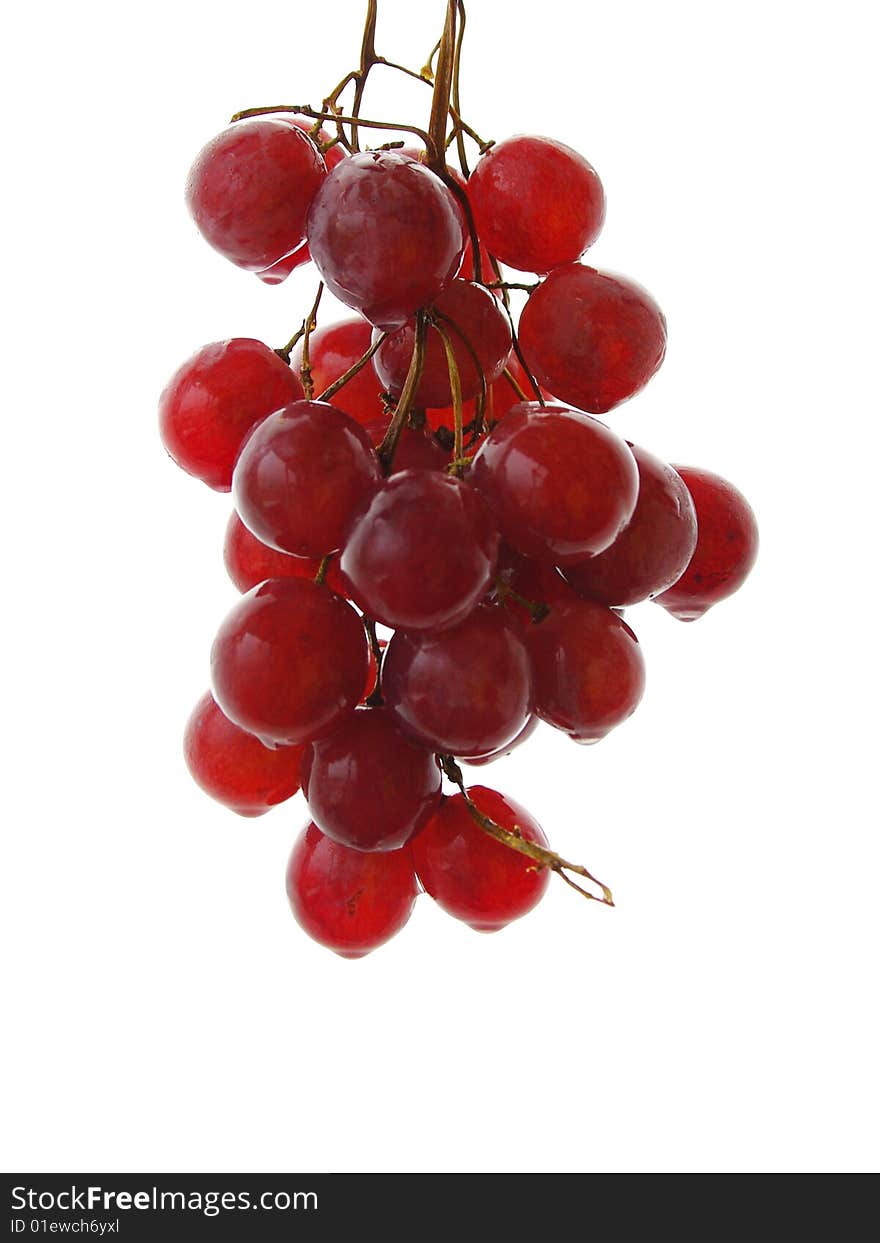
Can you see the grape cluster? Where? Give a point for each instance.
(432, 467)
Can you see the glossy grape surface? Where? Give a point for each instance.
(368, 786)
(234, 767)
(466, 691)
(590, 338)
(652, 550)
(289, 661)
(470, 874)
(303, 477)
(211, 404)
(250, 189)
(349, 900)
(587, 668)
(422, 555)
(536, 202)
(561, 485)
(386, 235)
(727, 545)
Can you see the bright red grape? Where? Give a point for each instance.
(587, 669)
(249, 561)
(418, 450)
(303, 477)
(368, 786)
(466, 691)
(422, 556)
(233, 766)
(727, 545)
(386, 235)
(289, 661)
(652, 550)
(470, 874)
(332, 350)
(536, 202)
(349, 900)
(280, 271)
(210, 405)
(481, 339)
(590, 338)
(250, 189)
(561, 485)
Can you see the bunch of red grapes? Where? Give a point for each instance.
(433, 468)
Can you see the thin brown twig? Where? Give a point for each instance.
(405, 402)
(332, 389)
(543, 857)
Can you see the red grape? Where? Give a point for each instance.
(587, 668)
(349, 900)
(470, 874)
(250, 189)
(233, 766)
(422, 556)
(211, 403)
(590, 338)
(332, 350)
(561, 485)
(280, 271)
(536, 203)
(652, 551)
(367, 785)
(526, 732)
(249, 561)
(418, 450)
(479, 332)
(466, 691)
(303, 477)
(538, 582)
(289, 661)
(386, 235)
(727, 545)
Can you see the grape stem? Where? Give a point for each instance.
(332, 389)
(285, 351)
(536, 608)
(305, 366)
(455, 466)
(323, 568)
(515, 384)
(324, 115)
(405, 400)
(543, 857)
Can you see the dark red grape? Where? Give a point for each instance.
(590, 338)
(479, 332)
(727, 545)
(210, 405)
(536, 203)
(422, 556)
(561, 485)
(289, 661)
(466, 691)
(418, 450)
(303, 477)
(249, 561)
(470, 874)
(233, 766)
(537, 582)
(654, 547)
(250, 189)
(367, 785)
(527, 730)
(386, 235)
(332, 350)
(349, 900)
(587, 669)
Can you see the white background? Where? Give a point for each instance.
(165, 1012)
